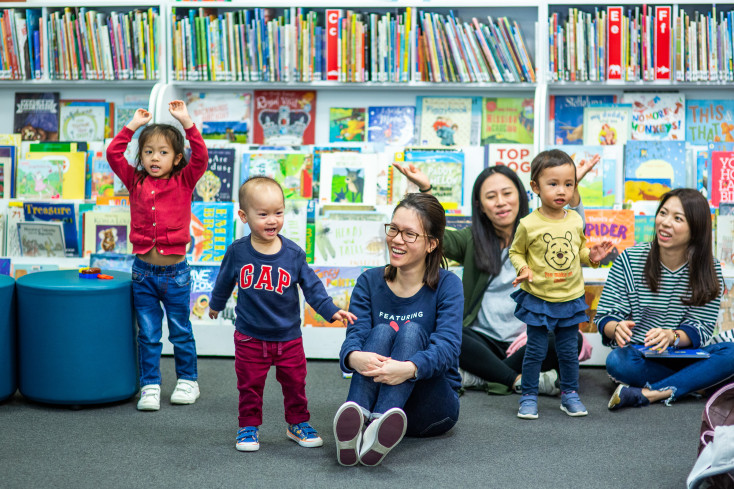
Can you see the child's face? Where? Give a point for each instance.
(555, 186)
(158, 158)
(264, 213)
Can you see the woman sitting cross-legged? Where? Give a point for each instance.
(663, 294)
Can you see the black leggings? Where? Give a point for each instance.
(485, 357)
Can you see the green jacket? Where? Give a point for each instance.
(459, 246)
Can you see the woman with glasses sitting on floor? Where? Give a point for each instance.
(403, 348)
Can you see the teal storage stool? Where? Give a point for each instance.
(76, 339)
(8, 335)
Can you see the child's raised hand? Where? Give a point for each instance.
(525, 274)
(600, 251)
(140, 118)
(414, 174)
(178, 109)
(343, 316)
(213, 314)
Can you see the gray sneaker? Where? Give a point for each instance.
(548, 383)
(471, 381)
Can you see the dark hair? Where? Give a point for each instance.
(703, 282)
(258, 179)
(433, 219)
(487, 244)
(549, 159)
(174, 138)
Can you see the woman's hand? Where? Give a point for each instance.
(178, 110)
(600, 251)
(525, 274)
(344, 316)
(393, 372)
(414, 174)
(583, 167)
(659, 338)
(140, 118)
(623, 332)
(365, 362)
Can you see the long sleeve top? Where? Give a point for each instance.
(267, 297)
(626, 296)
(438, 311)
(160, 208)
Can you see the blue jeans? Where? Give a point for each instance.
(431, 405)
(567, 348)
(629, 366)
(170, 285)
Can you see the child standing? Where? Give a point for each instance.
(547, 252)
(160, 186)
(266, 267)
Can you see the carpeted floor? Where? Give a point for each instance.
(115, 446)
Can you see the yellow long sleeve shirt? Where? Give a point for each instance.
(554, 250)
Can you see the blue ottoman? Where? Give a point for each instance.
(76, 338)
(8, 370)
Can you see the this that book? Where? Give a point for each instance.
(36, 116)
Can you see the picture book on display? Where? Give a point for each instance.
(73, 166)
(317, 152)
(123, 115)
(607, 125)
(212, 230)
(347, 125)
(216, 185)
(651, 168)
(644, 228)
(725, 235)
(615, 225)
(508, 120)
(518, 158)
(445, 170)
(203, 278)
(222, 115)
(106, 232)
(568, 116)
(339, 282)
(56, 212)
(39, 179)
(7, 163)
(709, 121)
(722, 176)
(104, 180)
(284, 117)
(13, 215)
(656, 116)
(350, 242)
(41, 239)
(84, 120)
(447, 121)
(292, 170)
(112, 261)
(348, 178)
(36, 116)
(392, 126)
(599, 187)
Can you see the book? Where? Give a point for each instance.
(7, 165)
(568, 116)
(349, 178)
(73, 168)
(724, 243)
(508, 120)
(21, 269)
(656, 116)
(662, 58)
(671, 352)
(447, 121)
(222, 115)
(615, 43)
(644, 228)
(709, 121)
(123, 115)
(212, 230)
(651, 168)
(518, 158)
(293, 170)
(217, 183)
(722, 176)
(203, 278)
(317, 152)
(339, 283)
(592, 294)
(346, 124)
(64, 213)
(351, 242)
(36, 116)
(445, 170)
(39, 179)
(84, 120)
(104, 180)
(599, 188)
(607, 125)
(106, 231)
(112, 261)
(41, 239)
(391, 125)
(284, 117)
(13, 216)
(615, 225)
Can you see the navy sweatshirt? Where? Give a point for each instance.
(439, 311)
(267, 298)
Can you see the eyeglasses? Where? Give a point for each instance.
(408, 236)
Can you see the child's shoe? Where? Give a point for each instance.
(348, 424)
(247, 439)
(382, 435)
(572, 405)
(150, 398)
(626, 396)
(528, 408)
(304, 435)
(186, 392)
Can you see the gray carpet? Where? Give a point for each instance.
(193, 446)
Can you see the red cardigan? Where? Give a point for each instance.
(160, 208)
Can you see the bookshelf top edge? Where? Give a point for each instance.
(355, 86)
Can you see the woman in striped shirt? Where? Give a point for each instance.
(662, 294)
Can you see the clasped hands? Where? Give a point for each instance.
(655, 338)
(381, 368)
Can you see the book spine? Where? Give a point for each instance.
(614, 39)
(662, 42)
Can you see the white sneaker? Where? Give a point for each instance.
(471, 381)
(548, 384)
(186, 392)
(150, 398)
(382, 435)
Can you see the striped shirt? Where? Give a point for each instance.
(626, 296)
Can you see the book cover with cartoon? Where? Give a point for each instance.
(339, 283)
(41, 239)
(615, 225)
(651, 168)
(607, 125)
(709, 121)
(347, 125)
(657, 116)
(447, 121)
(216, 185)
(391, 125)
(284, 117)
(222, 115)
(348, 178)
(445, 170)
(211, 229)
(568, 116)
(203, 278)
(292, 170)
(508, 120)
(350, 242)
(36, 116)
(39, 178)
(56, 212)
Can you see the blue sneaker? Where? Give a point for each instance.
(247, 440)
(626, 396)
(572, 405)
(304, 435)
(528, 408)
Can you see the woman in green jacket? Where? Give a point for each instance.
(499, 201)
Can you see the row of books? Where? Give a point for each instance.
(20, 57)
(347, 46)
(641, 43)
